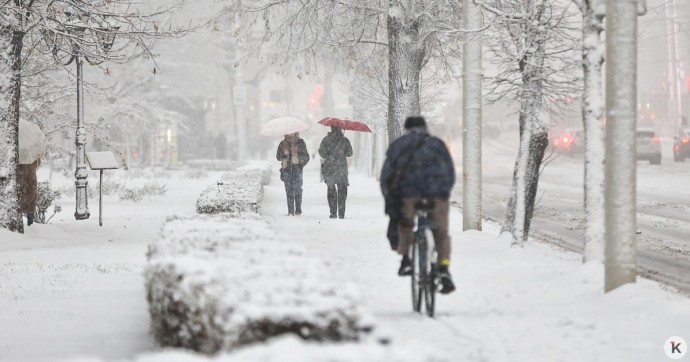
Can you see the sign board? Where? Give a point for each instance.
(239, 95)
(102, 160)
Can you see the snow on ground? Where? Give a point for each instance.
(73, 289)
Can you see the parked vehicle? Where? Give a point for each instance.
(648, 146)
(570, 142)
(681, 145)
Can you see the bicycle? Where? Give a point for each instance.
(424, 260)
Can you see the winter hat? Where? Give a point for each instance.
(414, 122)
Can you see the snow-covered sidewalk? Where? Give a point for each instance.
(532, 304)
(71, 289)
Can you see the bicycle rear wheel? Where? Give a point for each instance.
(415, 280)
(430, 272)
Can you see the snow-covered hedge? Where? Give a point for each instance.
(293, 349)
(237, 191)
(214, 165)
(215, 282)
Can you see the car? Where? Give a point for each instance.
(681, 145)
(648, 146)
(570, 142)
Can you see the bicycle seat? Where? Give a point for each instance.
(424, 205)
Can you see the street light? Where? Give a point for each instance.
(69, 37)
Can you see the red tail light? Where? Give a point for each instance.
(655, 140)
(686, 140)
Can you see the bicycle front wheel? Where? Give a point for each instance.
(430, 273)
(415, 280)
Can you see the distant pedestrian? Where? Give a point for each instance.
(293, 155)
(334, 150)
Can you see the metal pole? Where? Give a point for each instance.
(81, 174)
(472, 119)
(100, 200)
(621, 124)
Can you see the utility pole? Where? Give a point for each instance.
(472, 118)
(675, 73)
(621, 123)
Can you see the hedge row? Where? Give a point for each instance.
(292, 349)
(214, 165)
(237, 191)
(215, 282)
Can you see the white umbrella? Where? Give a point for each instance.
(283, 125)
(32, 143)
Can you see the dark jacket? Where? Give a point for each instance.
(302, 154)
(430, 173)
(335, 149)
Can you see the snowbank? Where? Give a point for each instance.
(291, 349)
(237, 191)
(217, 282)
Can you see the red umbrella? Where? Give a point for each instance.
(346, 124)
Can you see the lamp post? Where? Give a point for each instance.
(70, 37)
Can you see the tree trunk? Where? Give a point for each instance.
(533, 143)
(10, 86)
(472, 120)
(621, 164)
(592, 114)
(405, 61)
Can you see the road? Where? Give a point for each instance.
(663, 207)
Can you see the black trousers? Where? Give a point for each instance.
(337, 195)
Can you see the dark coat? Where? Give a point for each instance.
(302, 154)
(335, 149)
(430, 173)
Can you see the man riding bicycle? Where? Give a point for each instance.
(419, 166)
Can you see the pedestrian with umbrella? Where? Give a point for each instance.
(335, 149)
(293, 156)
(32, 146)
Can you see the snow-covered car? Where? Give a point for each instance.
(648, 146)
(570, 142)
(681, 145)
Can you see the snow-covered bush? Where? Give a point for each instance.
(195, 173)
(237, 191)
(214, 165)
(293, 349)
(46, 196)
(259, 167)
(216, 282)
(137, 193)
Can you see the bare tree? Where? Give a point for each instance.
(410, 33)
(533, 46)
(593, 120)
(61, 27)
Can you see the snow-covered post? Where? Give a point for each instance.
(10, 65)
(472, 118)
(621, 124)
(81, 173)
(592, 111)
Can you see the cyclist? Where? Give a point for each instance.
(418, 166)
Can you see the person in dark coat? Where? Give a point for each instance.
(293, 155)
(418, 166)
(28, 189)
(335, 149)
